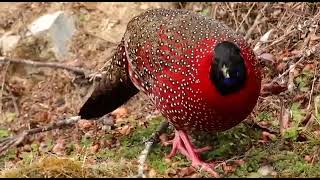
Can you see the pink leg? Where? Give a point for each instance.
(182, 143)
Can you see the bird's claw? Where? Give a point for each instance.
(182, 144)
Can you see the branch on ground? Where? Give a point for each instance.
(78, 71)
(13, 141)
(148, 144)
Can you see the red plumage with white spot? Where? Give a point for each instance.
(169, 54)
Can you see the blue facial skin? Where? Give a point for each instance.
(228, 70)
(233, 79)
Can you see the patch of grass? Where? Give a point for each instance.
(48, 167)
(157, 159)
(303, 80)
(4, 133)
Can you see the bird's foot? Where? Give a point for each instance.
(182, 143)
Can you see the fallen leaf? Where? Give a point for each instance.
(281, 67)
(239, 162)
(186, 171)
(306, 118)
(273, 89)
(228, 168)
(266, 170)
(85, 124)
(268, 136)
(308, 158)
(308, 67)
(94, 148)
(266, 36)
(164, 139)
(267, 57)
(296, 52)
(90, 5)
(314, 37)
(264, 123)
(125, 130)
(59, 147)
(152, 173)
(285, 120)
(120, 112)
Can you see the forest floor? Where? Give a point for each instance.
(285, 35)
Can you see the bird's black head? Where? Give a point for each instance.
(228, 71)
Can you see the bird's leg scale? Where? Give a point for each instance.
(182, 143)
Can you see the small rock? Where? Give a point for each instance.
(57, 28)
(266, 170)
(9, 42)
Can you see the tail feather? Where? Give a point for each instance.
(114, 89)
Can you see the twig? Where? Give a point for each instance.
(256, 22)
(259, 126)
(288, 70)
(148, 144)
(14, 101)
(312, 87)
(291, 85)
(246, 16)
(76, 70)
(233, 14)
(17, 139)
(2, 85)
(281, 116)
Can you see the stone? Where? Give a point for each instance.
(56, 28)
(8, 43)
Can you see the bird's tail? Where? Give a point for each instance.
(112, 90)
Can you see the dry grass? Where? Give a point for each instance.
(30, 97)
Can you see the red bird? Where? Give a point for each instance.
(198, 72)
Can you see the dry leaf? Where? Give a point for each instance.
(308, 67)
(266, 36)
(120, 112)
(266, 170)
(308, 158)
(267, 136)
(94, 148)
(125, 130)
(239, 162)
(152, 173)
(228, 168)
(164, 139)
(186, 171)
(90, 5)
(267, 57)
(273, 89)
(281, 67)
(285, 121)
(85, 124)
(59, 147)
(314, 37)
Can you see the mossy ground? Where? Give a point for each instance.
(287, 157)
(295, 154)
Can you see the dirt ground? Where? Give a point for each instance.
(285, 36)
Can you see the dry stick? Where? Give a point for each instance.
(291, 31)
(17, 139)
(312, 87)
(45, 64)
(148, 144)
(2, 85)
(245, 16)
(281, 117)
(256, 22)
(233, 15)
(259, 126)
(288, 70)
(14, 101)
